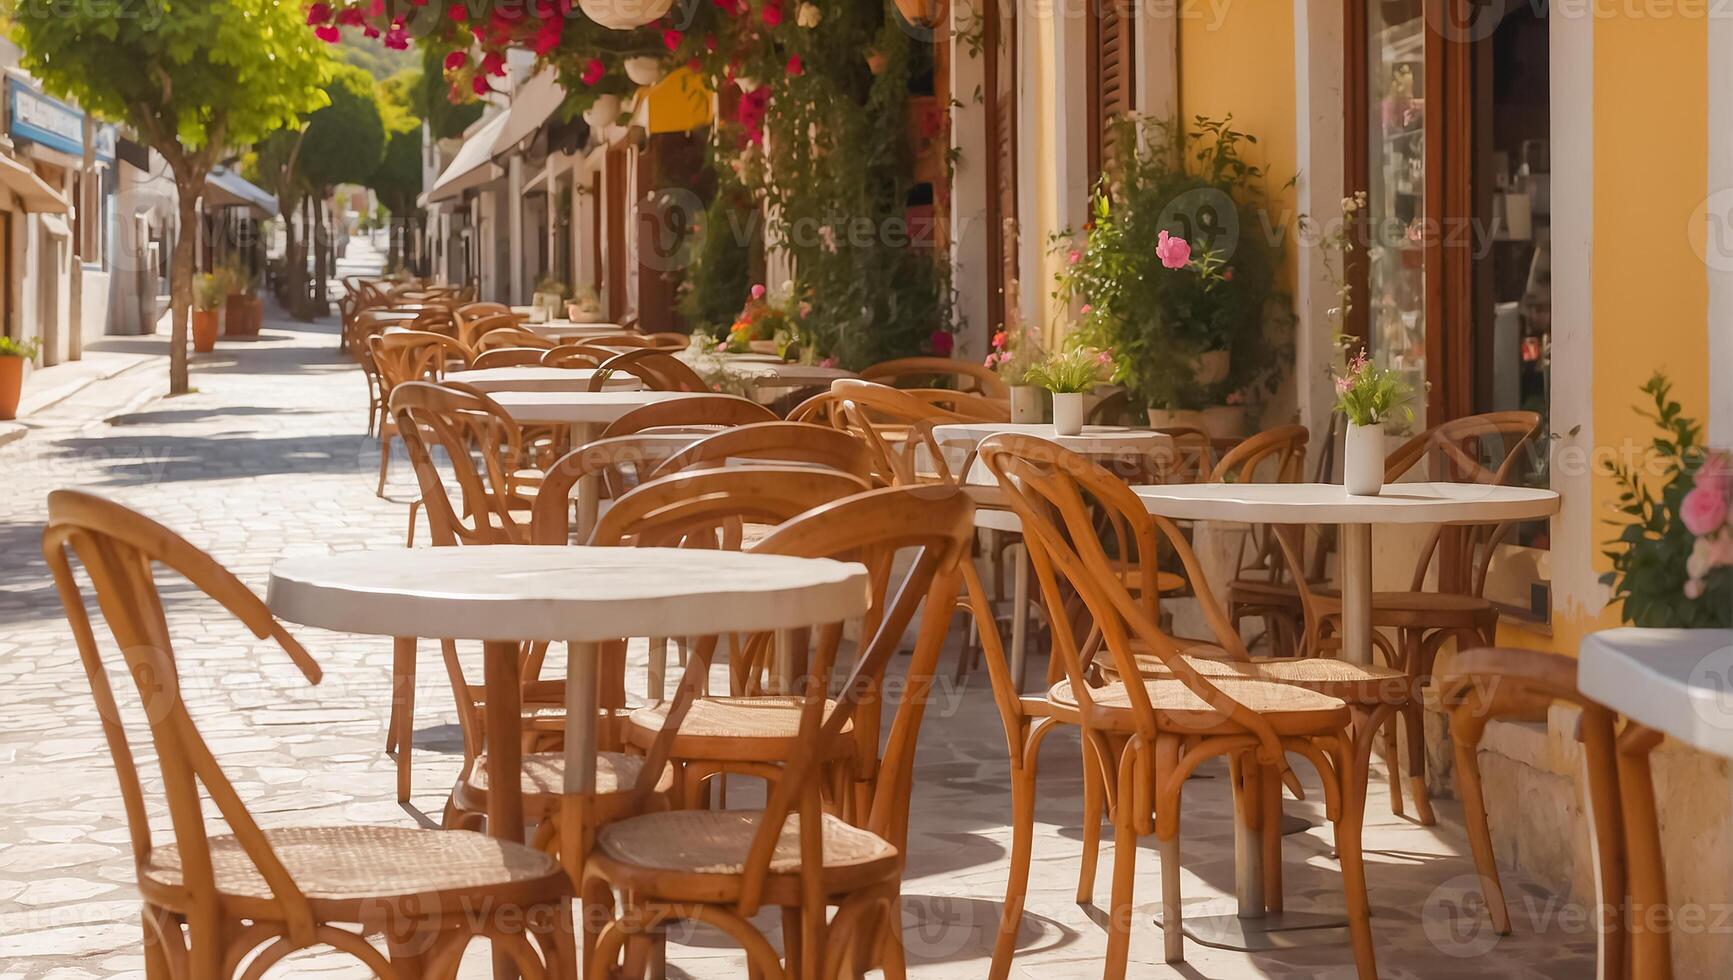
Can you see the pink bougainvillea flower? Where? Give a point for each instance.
(318, 13)
(456, 60)
(548, 36)
(1074, 257)
(327, 33)
(593, 71)
(351, 17)
(1716, 473)
(457, 12)
(772, 14)
(376, 8)
(397, 39)
(758, 291)
(1086, 309)
(795, 65)
(1173, 251)
(941, 343)
(828, 362)
(479, 85)
(1704, 510)
(671, 39)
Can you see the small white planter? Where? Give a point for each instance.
(1068, 413)
(603, 112)
(644, 71)
(1027, 405)
(1363, 459)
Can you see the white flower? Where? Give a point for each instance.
(808, 16)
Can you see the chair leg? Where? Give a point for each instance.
(1124, 877)
(891, 957)
(1349, 828)
(414, 508)
(1414, 724)
(1017, 880)
(1466, 726)
(1270, 791)
(384, 462)
(402, 722)
(1393, 765)
(1094, 796)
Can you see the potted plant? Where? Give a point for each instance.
(1673, 558)
(1070, 375)
(1015, 350)
(758, 325)
(584, 307)
(549, 295)
(1172, 273)
(243, 310)
(13, 355)
(1369, 396)
(210, 290)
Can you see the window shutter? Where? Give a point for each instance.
(1001, 69)
(1112, 43)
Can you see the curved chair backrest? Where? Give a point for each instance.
(668, 340)
(415, 355)
(507, 357)
(969, 405)
(1194, 454)
(621, 340)
(471, 329)
(470, 427)
(897, 426)
(120, 551)
(777, 442)
(1273, 456)
(702, 507)
(968, 376)
(824, 408)
(659, 370)
(1061, 498)
(576, 356)
(512, 337)
(699, 413)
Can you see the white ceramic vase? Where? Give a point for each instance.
(1068, 413)
(1363, 459)
(1027, 406)
(644, 71)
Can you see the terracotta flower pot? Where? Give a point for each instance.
(11, 385)
(205, 329)
(243, 315)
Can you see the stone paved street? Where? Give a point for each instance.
(268, 459)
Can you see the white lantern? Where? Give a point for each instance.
(644, 71)
(624, 15)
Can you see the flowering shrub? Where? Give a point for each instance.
(1015, 352)
(1673, 558)
(1370, 395)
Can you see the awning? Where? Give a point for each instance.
(31, 191)
(678, 103)
(531, 106)
(224, 188)
(473, 166)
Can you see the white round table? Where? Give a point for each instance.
(1672, 680)
(532, 378)
(567, 328)
(1328, 503)
(777, 374)
(503, 595)
(587, 412)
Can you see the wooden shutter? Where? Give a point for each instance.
(1000, 82)
(1111, 43)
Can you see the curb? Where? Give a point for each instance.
(12, 431)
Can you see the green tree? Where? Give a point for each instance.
(343, 144)
(191, 79)
(397, 179)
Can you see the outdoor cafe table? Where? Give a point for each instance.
(577, 331)
(587, 412)
(532, 378)
(504, 595)
(1325, 503)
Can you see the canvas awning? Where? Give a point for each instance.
(225, 189)
(531, 106)
(473, 165)
(31, 191)
(678, 103)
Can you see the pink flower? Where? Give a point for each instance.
(1104, 358)
(1076, 256)
(456, 60)
(351, 17)
(593, 71)
(1085, 309)
(828, 362)
(795, 65)
(941, 343)
(457, 12)
(772, 14)
(397, 39)
(327, 33)
(1716, 473)
(671, 39)
(1703, 510)
(758, 291)
(318, 13)
(1173, 251)
(479, 85)
(1343, 383)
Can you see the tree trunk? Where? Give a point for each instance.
(181, 284)
(322, 257)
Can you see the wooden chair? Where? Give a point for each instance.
(620, 340)
(213, 900)
(897, 426)
(967, 376)
(778, 442)
(1194, 454)
(659, 370)
(471, 329)
(507, 357)
(976, 408)
(701, 413)
(1263, 586)
(823, 408)
(721, 867)
(512, 337)
(576, 356)
(410, 355)
(1477, 686)
(668, 340)
(1147, 734)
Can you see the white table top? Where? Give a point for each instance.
(574, 594)
(767, 374)
(1095, 438)
(567, 328)
(1675, 681)
(1329, 503)
(532, 378)
(576, 407)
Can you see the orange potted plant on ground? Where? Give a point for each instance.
(209, 292)
(13, 354)
(243, 311)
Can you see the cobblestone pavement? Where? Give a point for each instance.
(268, 459)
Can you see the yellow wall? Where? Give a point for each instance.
(1244, 65)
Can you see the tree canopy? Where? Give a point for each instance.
(345, 139)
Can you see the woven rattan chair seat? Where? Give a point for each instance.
(1290, 710)
(1419, 610)
(732, 729)
(1354, 683)
(343, 869)
(544, 773)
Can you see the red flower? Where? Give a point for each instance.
(318, 13)
(671, 39)
(369, 31)
(376, 8)
(456, 60)
(941, 343)
(710, 42)
(327, 33)
(548, 37)
(397, 39)
(593, 71)
(493, 63)
(479, 85)
(457, 12)
(351, 17)
(795, 66)
(728, 6)
(772, 14)
(693, 64)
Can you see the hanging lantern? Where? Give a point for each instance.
(624, 15)
(922, 13)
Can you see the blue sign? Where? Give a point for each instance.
(45, 120)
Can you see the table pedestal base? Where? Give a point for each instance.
(1276, 930)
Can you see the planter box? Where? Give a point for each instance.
(243, 315)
